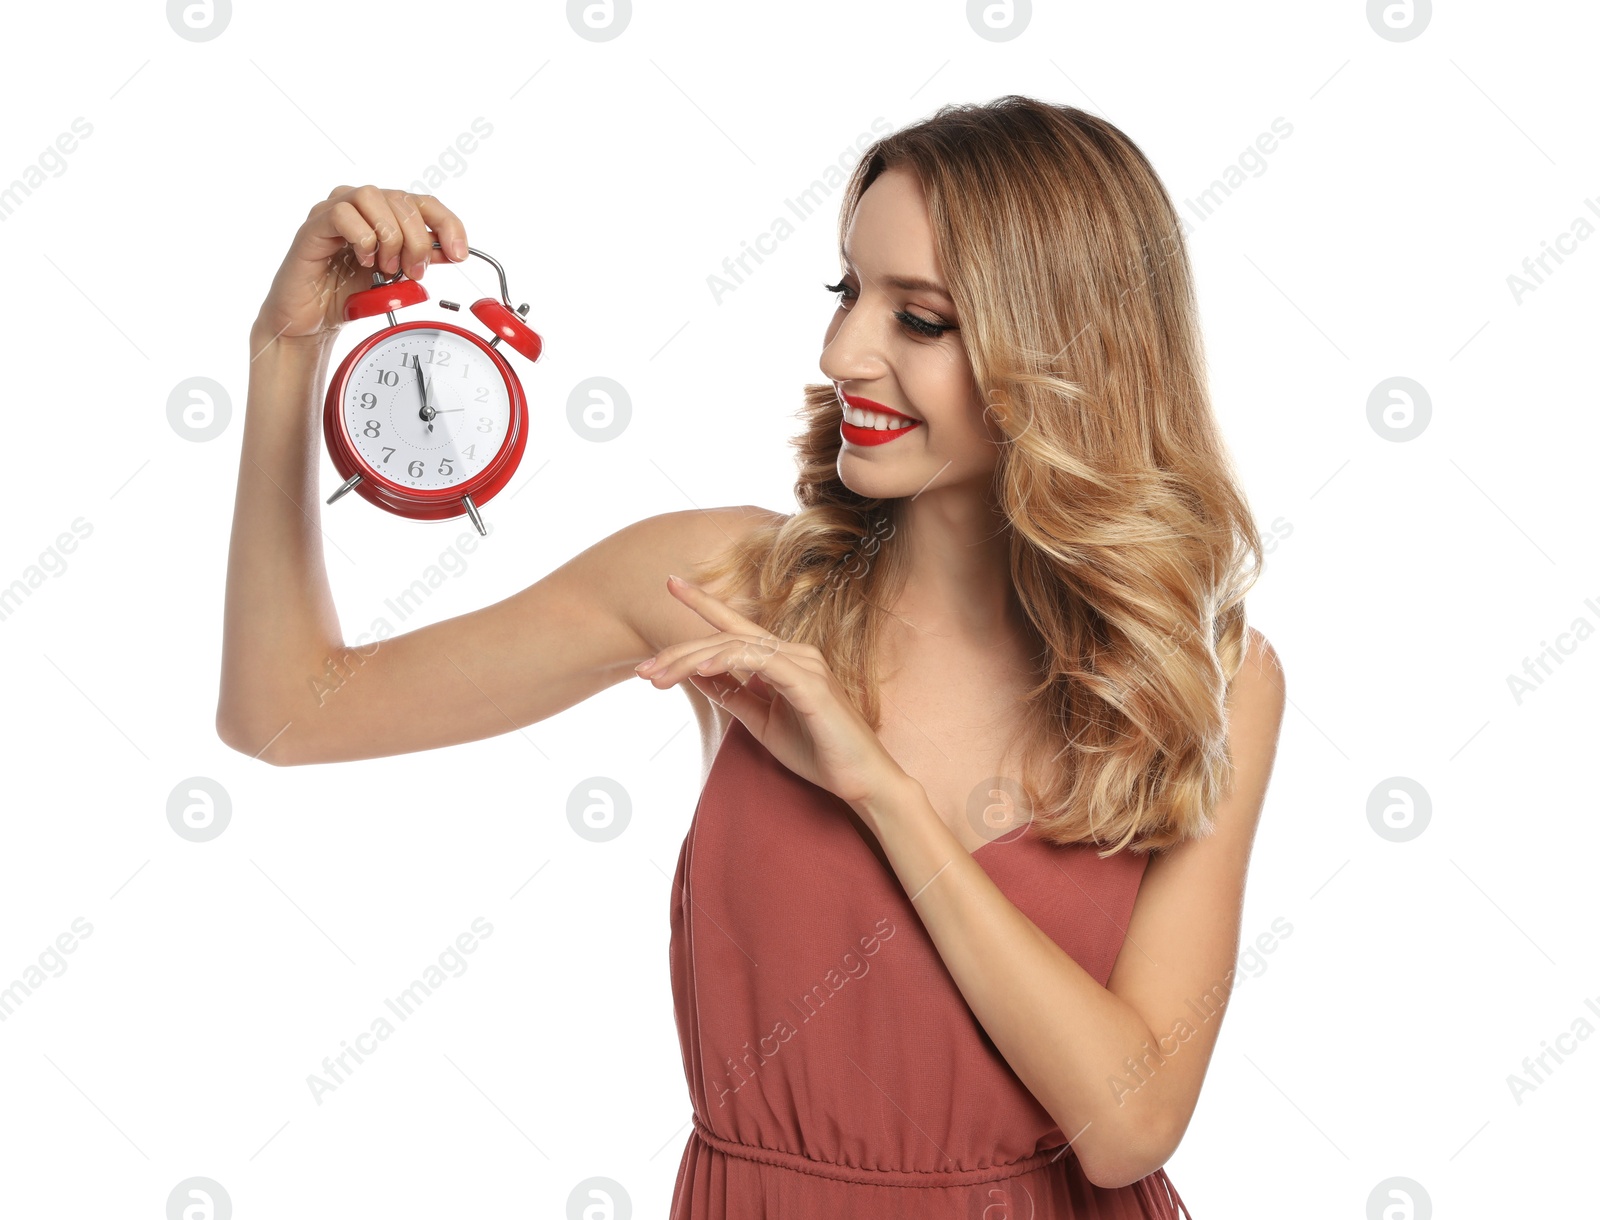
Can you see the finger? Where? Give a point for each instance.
(713, 609)
(333, 227)
(737, 699)
(672, 669)
(417, 242)
(374, 207)
(446, 226)
(674, 652)
(798, 685)
(807, 655)
(717, 612)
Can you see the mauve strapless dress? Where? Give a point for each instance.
(835, 1069)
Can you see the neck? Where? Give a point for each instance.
(957, 553)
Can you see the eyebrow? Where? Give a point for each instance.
(909, 283)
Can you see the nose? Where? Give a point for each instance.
(852, 350)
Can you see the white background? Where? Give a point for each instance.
(1413, 578)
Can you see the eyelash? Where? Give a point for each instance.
(919, 326)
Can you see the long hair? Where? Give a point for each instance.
(1129, 534)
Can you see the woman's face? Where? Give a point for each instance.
(873, 352)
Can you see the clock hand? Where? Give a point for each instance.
(428, 412)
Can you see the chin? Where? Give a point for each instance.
(877, 480)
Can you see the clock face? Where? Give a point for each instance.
(386, 415)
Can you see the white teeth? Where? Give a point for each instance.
(875, 420)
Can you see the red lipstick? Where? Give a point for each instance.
(857, 435)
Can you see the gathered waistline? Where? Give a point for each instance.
(930, 1179)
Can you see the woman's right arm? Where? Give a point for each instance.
(291, 690)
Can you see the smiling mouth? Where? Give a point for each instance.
(879, 421)
(865, 422)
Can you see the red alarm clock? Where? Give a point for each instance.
(426, 419)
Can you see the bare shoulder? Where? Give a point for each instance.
(1258, 689)
(1255, 703)
(679, 543)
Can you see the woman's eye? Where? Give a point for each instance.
(922, 326)
(919, 326)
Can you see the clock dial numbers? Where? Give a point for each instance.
(426, 409)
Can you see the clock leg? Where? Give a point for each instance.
(343, 487)
(472, 511)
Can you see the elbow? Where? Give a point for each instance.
(1132, 1155)
(244, 735)
(1125, 1172)
(1111, 1173)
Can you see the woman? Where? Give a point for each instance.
(956, 917)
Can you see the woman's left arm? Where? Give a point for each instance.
(1119, 1067)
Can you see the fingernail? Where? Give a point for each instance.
(458, 248)
(416, 271)
(675, 580)
(644, 667)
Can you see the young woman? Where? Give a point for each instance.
(955, 920)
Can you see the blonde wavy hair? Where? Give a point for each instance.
(1132, 545)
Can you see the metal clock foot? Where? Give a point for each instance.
(343, 487)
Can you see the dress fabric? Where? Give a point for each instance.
(834, 1067)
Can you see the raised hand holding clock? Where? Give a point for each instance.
(389, 453)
